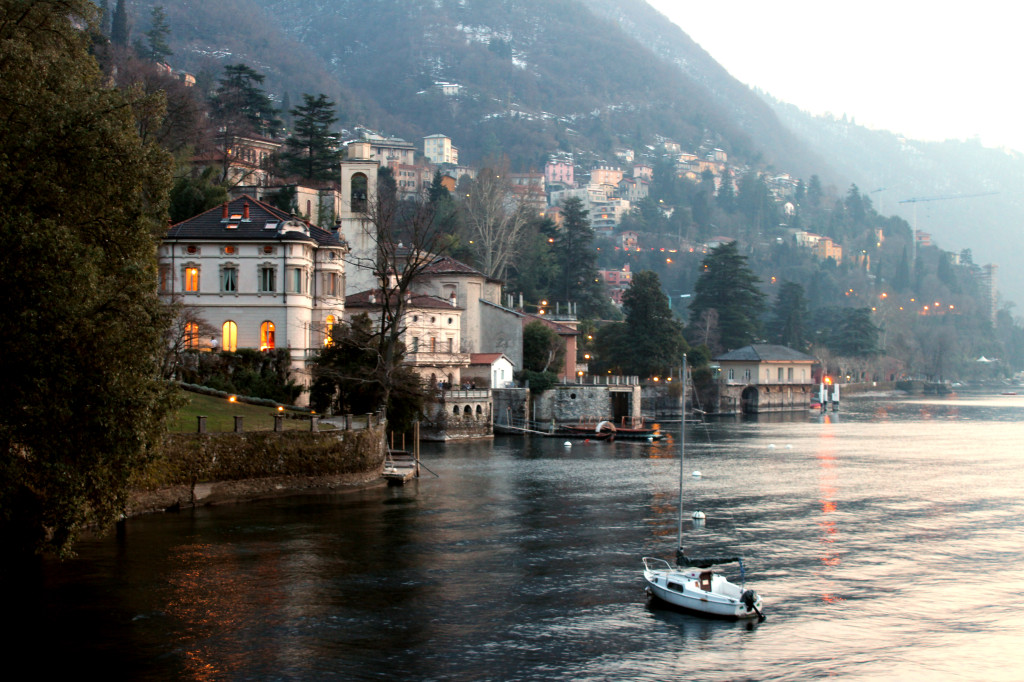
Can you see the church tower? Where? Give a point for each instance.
(358, 192)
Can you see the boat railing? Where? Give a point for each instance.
(648, 560)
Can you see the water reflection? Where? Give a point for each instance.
(522, 562)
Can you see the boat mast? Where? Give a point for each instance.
(682, 451)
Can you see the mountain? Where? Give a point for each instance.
(536, 76)
(585, 76)
(969, 196)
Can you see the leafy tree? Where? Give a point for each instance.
(788, 323)
(654, 339)
(311, 152)
(82, 404)
(728, 286)
(543, 349)
(156, 47)
(535, 276)
(193, 194)
(349, 376)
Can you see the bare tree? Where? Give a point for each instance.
(407, 240)
(186, 332)
(496, 218)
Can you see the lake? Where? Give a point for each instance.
(885, 540)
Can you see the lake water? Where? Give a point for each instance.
(886, 541)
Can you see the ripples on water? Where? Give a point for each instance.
(885, 540)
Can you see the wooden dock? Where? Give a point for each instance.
(399, 467)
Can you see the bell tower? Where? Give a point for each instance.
(358, 192)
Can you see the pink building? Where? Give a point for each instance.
(559, 171)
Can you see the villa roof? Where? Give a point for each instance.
(248, 219)
(418, 301)
(446, 265)
(763, 352)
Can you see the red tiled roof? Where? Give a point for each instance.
(484, 358)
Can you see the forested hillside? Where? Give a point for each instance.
(536, 76)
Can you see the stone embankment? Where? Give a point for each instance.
(197, 469)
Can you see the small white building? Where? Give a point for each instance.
(489, 370)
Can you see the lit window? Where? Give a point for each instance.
(328, 327)
(267, 336)
(229, 280)
(229, 336)
(192, 279)
(268, 279)
(191, 336)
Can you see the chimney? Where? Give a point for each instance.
(225, 214)
(245, 211)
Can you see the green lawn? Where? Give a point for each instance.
(220, 415)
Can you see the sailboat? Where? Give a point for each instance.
(692, 583)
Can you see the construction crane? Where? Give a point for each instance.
(916, 200)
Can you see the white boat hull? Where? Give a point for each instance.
(702, 591)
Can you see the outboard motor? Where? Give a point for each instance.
(749, 599)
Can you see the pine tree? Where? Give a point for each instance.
(728, 286)
(788, 324)
(119, 25)
(655, 338)
(156, 47)
(311, 152)
(577, 260)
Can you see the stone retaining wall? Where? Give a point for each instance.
(191, 467)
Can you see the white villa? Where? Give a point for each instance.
(261, 277)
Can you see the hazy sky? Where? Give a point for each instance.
(926, 70)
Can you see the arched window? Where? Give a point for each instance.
(229, 336)
(455, 411)
(358, 189)
(328, 326)
(191, 336)
(267, 336)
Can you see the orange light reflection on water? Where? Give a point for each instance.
(828, 491)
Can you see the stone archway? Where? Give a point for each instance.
(749, 400)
